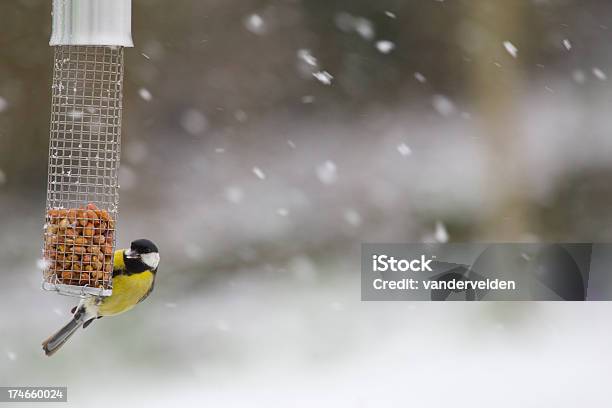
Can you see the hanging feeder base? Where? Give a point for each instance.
(80, 291)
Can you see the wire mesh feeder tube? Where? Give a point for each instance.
(82, 188)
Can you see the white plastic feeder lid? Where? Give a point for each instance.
(92, 22)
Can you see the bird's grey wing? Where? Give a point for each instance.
(146, 295)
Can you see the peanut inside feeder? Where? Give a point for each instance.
(79, 246)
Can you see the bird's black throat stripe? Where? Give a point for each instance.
(133, 266)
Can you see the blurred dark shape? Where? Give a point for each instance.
(556, 269)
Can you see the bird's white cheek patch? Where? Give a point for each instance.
(152, 259)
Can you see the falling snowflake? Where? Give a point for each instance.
(385, 46)
(11, 355)
(308, 99)
(283, 212)
(599, 74)
(324, 77)
(360, 25)
(420, 77)
(440, 234)
(579, 76)
(327, 172)
(352, 217)
(404, 149)
(291, 144)
(303, 268)
(364, 28)
(43, 264)
(511, 49)
(145, 94)
(443, 105)
(222, 325)
(567, 44)
(255, 24)
(194, 122)
(128, 177)
(259, 173)
(3, 104)
(306, 56)
(136, 152)
(75, 114)
(241, 116)
(390, 14)
(234, 194)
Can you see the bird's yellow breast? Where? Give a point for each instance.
(127, 291)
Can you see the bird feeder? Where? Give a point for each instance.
(84, 145)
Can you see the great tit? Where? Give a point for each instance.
(134, 272)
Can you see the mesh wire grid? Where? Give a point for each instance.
(84, 151)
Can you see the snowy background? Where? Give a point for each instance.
(264, 141)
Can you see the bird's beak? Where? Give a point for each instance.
(131, 254)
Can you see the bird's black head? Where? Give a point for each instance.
(142, 255)
(143, 246)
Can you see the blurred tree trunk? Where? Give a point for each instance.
(494, 85)
(24, 127)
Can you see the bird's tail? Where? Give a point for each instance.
(57, 340)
